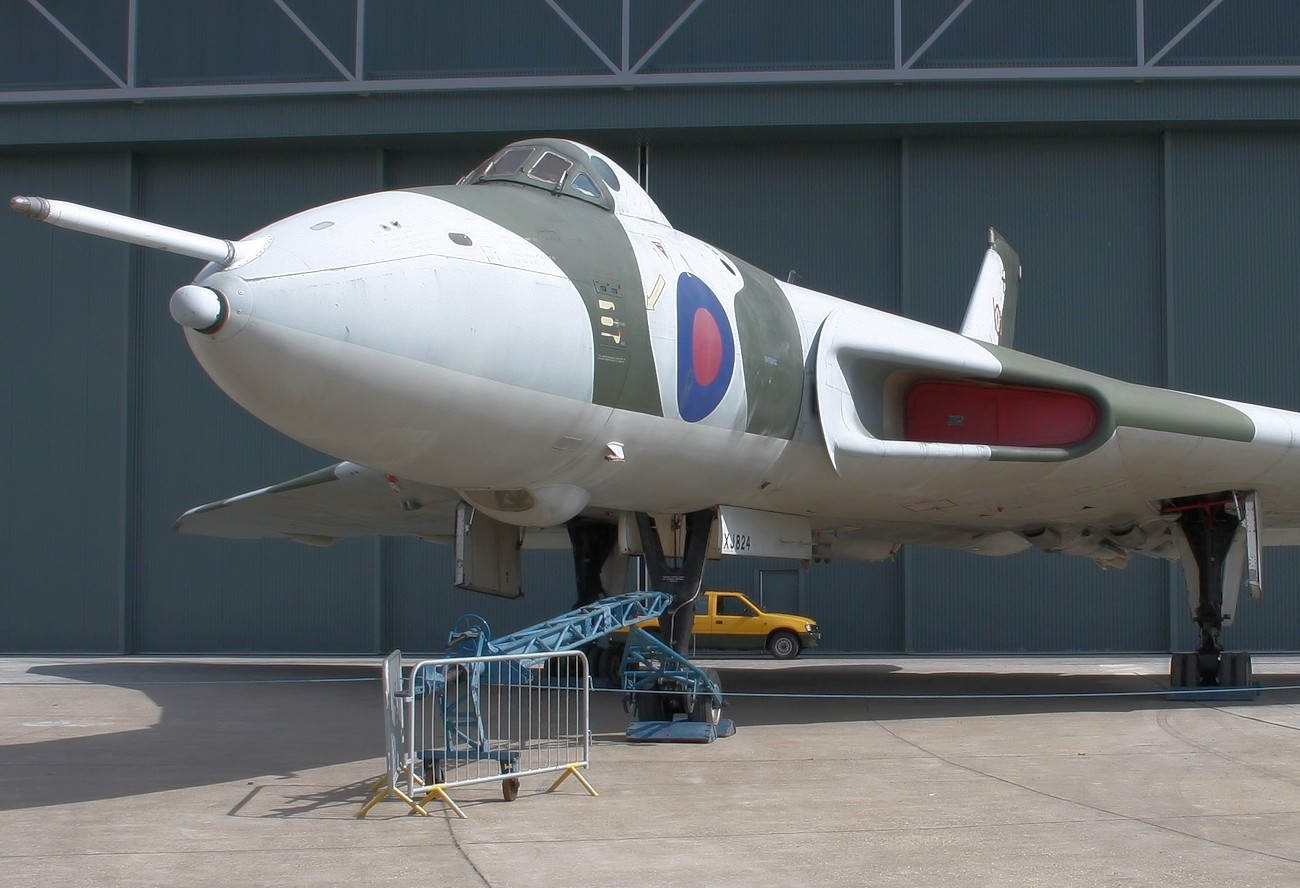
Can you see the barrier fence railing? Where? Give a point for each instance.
(462, 721)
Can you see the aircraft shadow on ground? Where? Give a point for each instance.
(216, 723)
(812, 693)
(219, 723)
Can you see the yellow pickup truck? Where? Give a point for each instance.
(726, 620)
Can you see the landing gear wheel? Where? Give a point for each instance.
(1245, 674)
(598, 663)
(510, 785)
(609, 662)
(1183, 671)
(1207, 668)
(705, 708)
(650, 707)
(783, 645)
(1235, 670)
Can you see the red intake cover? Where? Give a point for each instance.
(1014, 416)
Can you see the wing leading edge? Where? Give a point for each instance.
(322, 507)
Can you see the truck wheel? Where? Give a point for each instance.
(783, 645)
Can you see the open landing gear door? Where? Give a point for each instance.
(1249, 505)
(487, 554)
(762, 534)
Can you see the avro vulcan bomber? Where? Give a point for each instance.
(536, 356)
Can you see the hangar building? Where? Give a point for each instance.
(1142, 155)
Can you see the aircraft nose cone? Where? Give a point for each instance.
(199, 308)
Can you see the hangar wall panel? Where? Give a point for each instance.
(195, 445)
(1137, 248)
(1084, 212)
(1234, 307)
(423, 605)
(724, 35)
(63, 353)
(858, 606)
(1234, 265)
(827, 212)
(1033, 602)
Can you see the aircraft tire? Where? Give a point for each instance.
(1235, 670)
(704, 709)
(1245, 670)
(612, 666)
(650, 707)
(1183, 670)
(598, 663)
(783, 645)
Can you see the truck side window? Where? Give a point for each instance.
(731, 606)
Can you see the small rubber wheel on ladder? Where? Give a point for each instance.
(510, 785)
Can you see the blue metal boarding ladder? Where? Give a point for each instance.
(652, 672)
(675, 701)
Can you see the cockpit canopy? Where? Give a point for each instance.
(568, 169)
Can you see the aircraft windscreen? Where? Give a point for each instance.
(583, 185)
(510, 162)
(551, 164)
(551, 168)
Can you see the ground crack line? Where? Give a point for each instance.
(1164, 723)
(1086, 805)
(455, 840)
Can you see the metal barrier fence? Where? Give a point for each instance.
(462, 721)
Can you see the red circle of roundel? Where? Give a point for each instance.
(706, 347)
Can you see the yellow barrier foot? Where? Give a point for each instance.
(381, 790)
(437, 790)
(572, 771)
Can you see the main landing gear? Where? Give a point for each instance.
(595, 560)
(601, 570)
(1213, 542)
(681, 577)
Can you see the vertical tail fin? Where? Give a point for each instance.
(991, 315)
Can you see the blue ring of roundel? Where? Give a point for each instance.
(696, 400)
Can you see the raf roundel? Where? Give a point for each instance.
(706, 352)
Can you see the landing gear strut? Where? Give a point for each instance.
(593, 545)
(1213, 543)
(679, 577)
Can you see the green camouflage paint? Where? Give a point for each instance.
(771, 354)
(592, 249)
(1122, 404)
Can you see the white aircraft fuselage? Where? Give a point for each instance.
(506, 340)
(539, 339)
(537, 342)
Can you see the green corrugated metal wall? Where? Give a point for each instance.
(1137, 249)
(1156, 221)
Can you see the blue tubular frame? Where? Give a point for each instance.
(648, 663)
(471, 636)
(573, 629)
